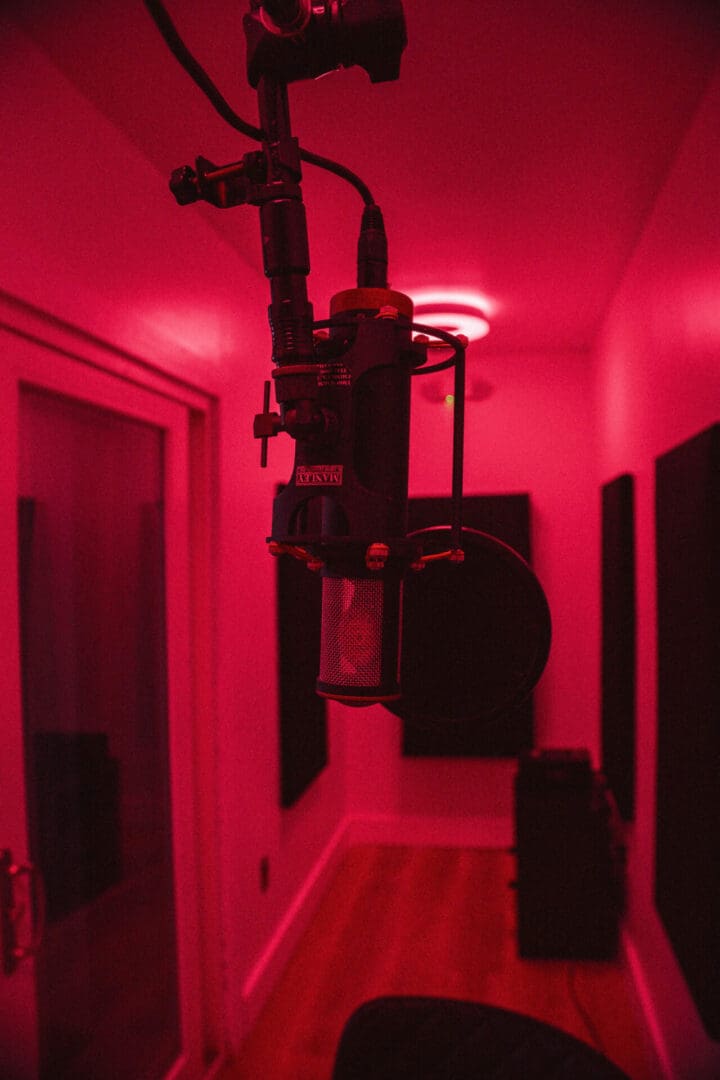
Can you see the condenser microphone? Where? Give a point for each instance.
(345, 507)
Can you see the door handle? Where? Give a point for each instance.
(12, 911)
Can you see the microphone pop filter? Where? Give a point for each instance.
(475, 635)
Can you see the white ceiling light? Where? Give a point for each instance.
(456, 311)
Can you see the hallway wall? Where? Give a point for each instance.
(657, 375)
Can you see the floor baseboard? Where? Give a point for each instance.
(278, 950)
(647, 1007)
(352, 831)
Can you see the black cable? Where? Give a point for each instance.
(200, 77)
(197, 73)
(339, 170)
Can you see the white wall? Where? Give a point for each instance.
(658, 383)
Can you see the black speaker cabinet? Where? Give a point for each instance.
(570, 859)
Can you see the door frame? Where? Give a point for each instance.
(39, 351)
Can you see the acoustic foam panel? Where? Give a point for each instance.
(687, 869)
(618, 641)
(302, 716)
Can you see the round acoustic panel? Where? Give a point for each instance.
(475, 635)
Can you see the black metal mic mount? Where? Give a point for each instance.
(300, 39)
(342, 384)
(334, 33)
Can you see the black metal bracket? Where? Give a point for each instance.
(243, 182)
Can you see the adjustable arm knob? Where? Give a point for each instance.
(266, 425)
(184, 185)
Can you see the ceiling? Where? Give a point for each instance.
(517, 157)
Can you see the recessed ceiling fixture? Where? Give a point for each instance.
(452, 310)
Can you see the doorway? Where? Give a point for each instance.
(98, 775)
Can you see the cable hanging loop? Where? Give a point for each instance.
(200, 77)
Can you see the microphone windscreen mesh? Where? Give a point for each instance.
(351, 631)
(360, 638)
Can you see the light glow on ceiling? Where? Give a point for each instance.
(454, 310)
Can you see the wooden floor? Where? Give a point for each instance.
(433, 921)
